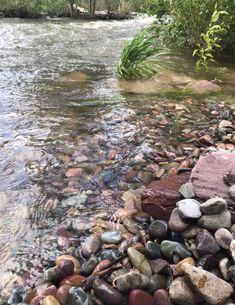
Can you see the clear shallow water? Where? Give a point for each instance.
(57, 101)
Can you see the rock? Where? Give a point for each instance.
(131, 280)
(132, 226)
(231, 273)
(50, 300)
(160, 266)
(106, 293)
(140, 297)
(169, 248)
(176, 222)
(224, 124)
(77, 296)
(181, 294)
(206, 243)
(186, 190)
(232, 191)
(213, 206)
(160, 197)
(203, 87)
(91, 245)
(61, 271)
(189, 208)
(178, 267)
(102, 265)
(65, 257)
(152, 250)
(139, 261)
(89, 265)
(74, 172)
(110, 255)
(62, 294)
(212, 289)
(161, 297)
(111, 237)
(76, 279)
(207, 262)
(216, 221)
(15, 298)
(191, 232)
(158, 229)
(224, 265)
(208, 175)
(157, 281)
(223, 238)
(232, 249)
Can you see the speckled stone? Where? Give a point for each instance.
(111, 237)
(158, 229)
(223, 238)
(213, 206)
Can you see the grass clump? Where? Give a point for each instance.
(140, 57)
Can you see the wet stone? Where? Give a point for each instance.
(142, 217)
(111, 237)
(189, 208)
(111, 255)
(107, 293)
(132, 226)
(50, 300)
(157, 281)
(130, 281)
(213, 206)
(139, 262)
(91, 245)
(89, 265)
(152, 250)
(158, 229)
(62, 294)
(140, 297)
(206, 244)
(176, 222)
(15, 298)
(77, 296)
(169, 248)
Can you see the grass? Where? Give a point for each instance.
(140, 57)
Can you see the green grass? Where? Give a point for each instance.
(140, 58)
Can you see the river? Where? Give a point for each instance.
(60, 110)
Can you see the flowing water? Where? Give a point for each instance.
(60, 108)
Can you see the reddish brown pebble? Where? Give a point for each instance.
(140, 297)
(73, 280)
(62, 294)
(102, 265)
(161, 297)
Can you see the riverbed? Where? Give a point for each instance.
(71, 140)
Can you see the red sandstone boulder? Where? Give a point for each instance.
(160, 197)
(208, 175)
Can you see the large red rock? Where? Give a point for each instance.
(208, 175)
(160, 197)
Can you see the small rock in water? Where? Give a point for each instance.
(107, 293)
(213, 206)
(77, 296)
(223, 238)
(212, 289)
(187, 190)
(111, 255)
(91, 245)
(189, 208)
(130, 281)
(111, 237)
(89, 265)
(15, 298)
(139, 262)
(169, 248)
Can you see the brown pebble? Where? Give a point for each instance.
(178, 267)
(161, 297)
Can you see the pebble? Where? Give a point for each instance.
(224, 265)
(187, 190)
(160, 266)
(169, 248)
(130, 281)
(213, 206)
(181, 294)
(232, 249)
(232, 191)
(106, 293)
(216, 221)
(14, 298)
(139, 261)
(140, 297)
(162, 297)
(62, 294)
(152, 250)
(50, 300)
(207, 262)
(65, 257)
(206, 244)
(111, 255)
(223, 238)
(76, 279)
(211, 288)
(191, 232)
(91, 245)
(111, 237)
(189, 208)
(158, 229)
(157, 281)
(178, 267)
(89, 265)
(176, 222)
(231, 273)
(77, 296)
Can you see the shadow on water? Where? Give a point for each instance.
(61, 109)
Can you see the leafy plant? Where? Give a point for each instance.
(211, 40)
(139, 56)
